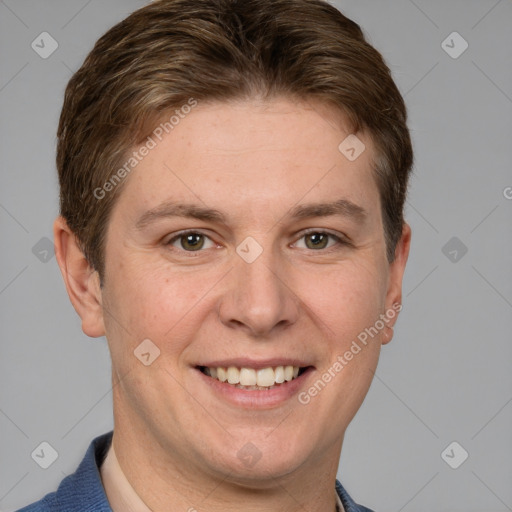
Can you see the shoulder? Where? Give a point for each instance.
(39, 506)
(83, 490)
(348, 503)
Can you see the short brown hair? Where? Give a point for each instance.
(170, 51)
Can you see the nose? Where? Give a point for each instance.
(259, 298)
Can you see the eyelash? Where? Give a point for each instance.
(183, 234)
(340, 240)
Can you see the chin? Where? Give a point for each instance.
(260, 461)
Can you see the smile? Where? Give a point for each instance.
(252, 379)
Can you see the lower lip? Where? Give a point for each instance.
(254, 399)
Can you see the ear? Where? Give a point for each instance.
(81, 280)
(396, 273)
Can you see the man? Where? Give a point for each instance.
(233, 175)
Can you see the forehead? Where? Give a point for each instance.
(255, 154)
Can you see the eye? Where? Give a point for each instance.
(191, 241)
(318, 240)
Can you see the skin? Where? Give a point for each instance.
(176, 439)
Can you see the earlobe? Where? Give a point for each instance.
(396, 273)
(81, 280)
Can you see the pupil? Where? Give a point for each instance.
(193, 241)
(318, 240)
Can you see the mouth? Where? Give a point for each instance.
(254, 379)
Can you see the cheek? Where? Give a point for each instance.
(348, 304)
(348, 298)
(153, 301)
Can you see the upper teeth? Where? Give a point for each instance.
(264, 377)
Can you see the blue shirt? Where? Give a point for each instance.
(83, 490)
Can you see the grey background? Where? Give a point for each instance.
(445, 377)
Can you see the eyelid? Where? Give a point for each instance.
(179, 234)
(341, 238)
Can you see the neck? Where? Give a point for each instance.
(160, 477)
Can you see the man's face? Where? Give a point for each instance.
(183, 269)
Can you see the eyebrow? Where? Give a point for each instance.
(172, 209)
(341, 207)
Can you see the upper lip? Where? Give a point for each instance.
(245, 362)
